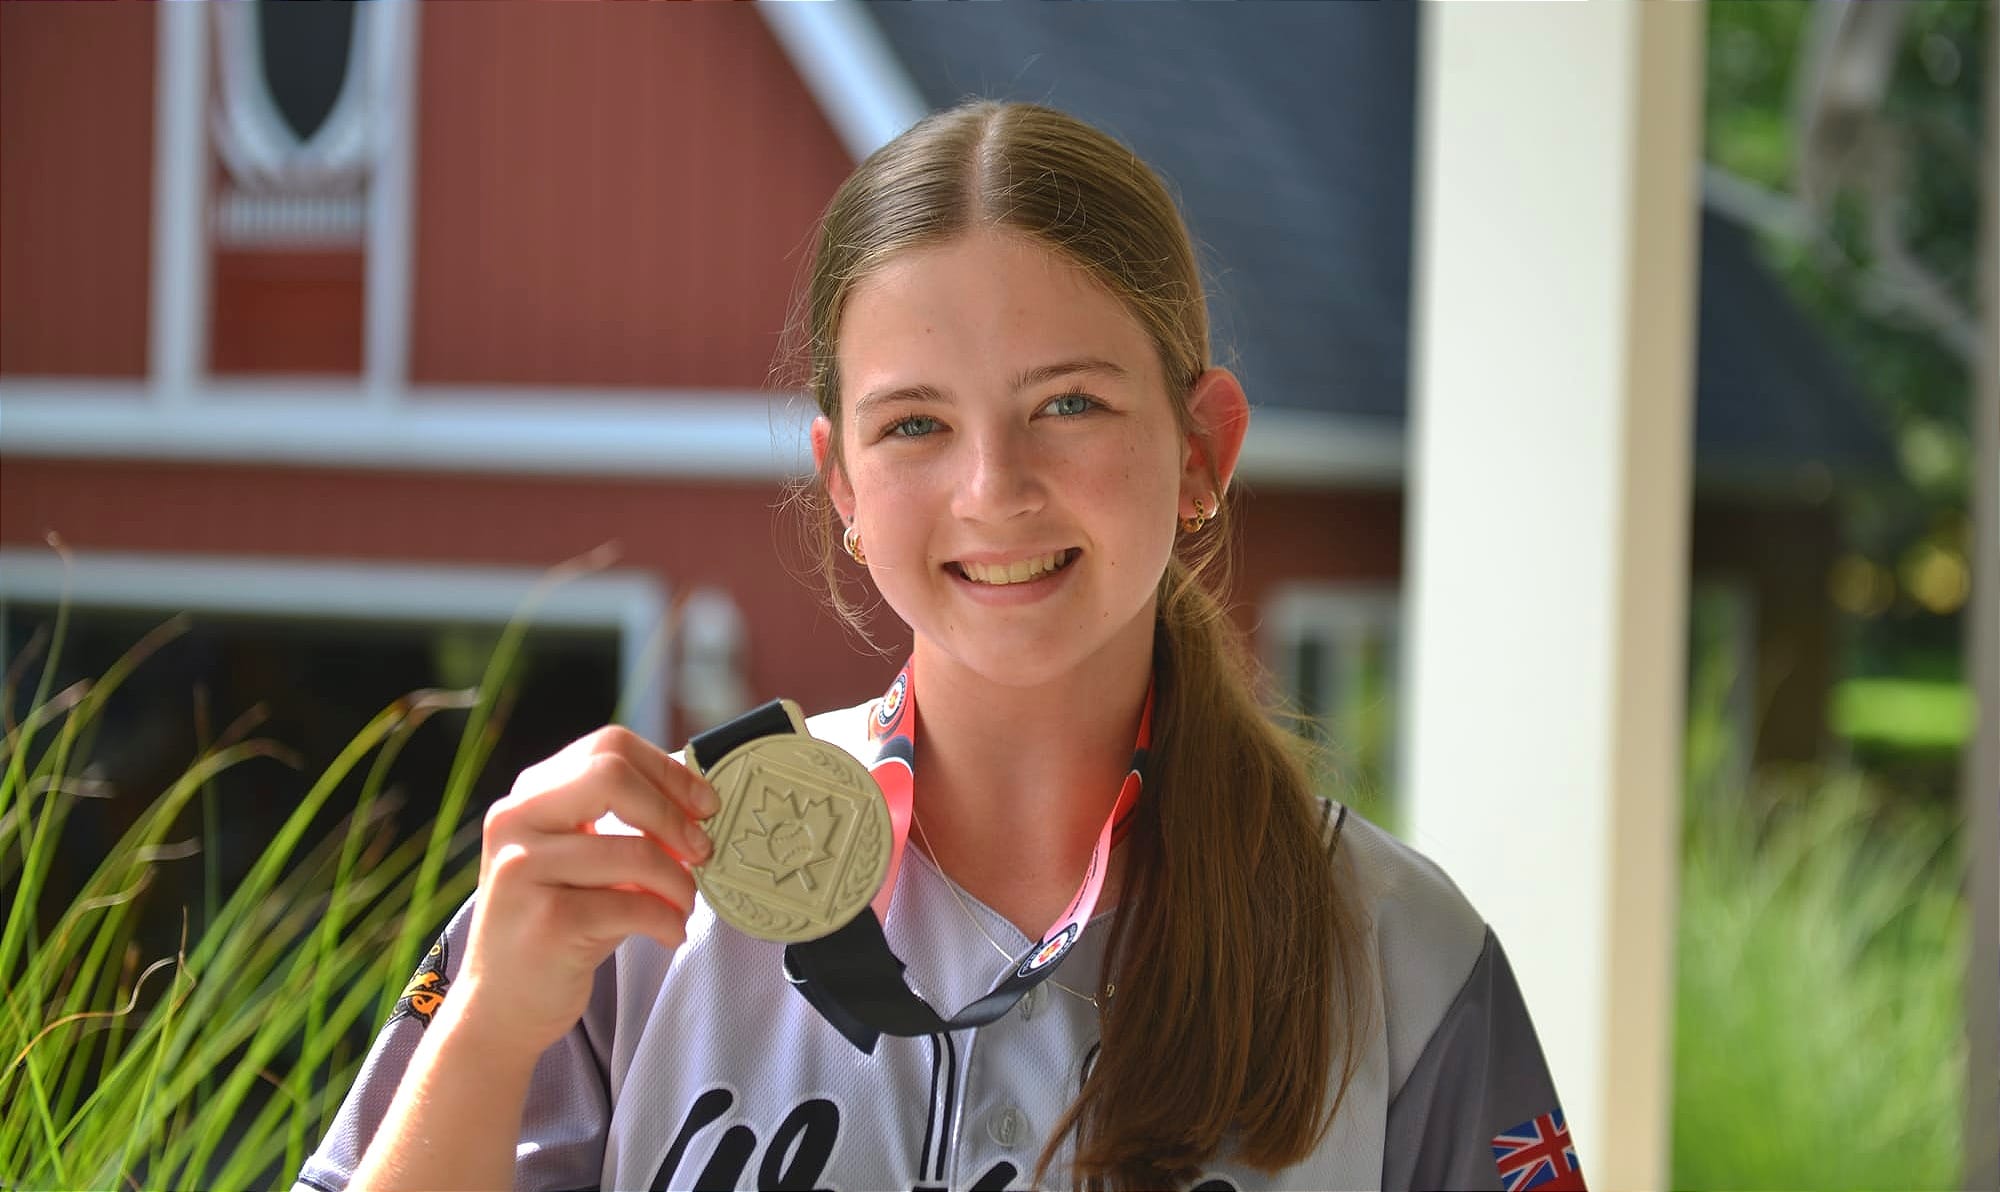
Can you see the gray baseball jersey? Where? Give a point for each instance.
(704, 1069)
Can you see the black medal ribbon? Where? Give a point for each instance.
(851, 976)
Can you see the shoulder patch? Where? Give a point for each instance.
(425, 992)
(1538, 1154)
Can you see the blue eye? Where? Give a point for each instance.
(916, 426)
(1069, 405)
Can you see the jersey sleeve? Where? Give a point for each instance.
(1478, 1109)
(568, 1111)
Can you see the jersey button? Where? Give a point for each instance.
(1031, 1001)
(1006, 1126)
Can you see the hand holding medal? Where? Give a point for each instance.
(557, 892)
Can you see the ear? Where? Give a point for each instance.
(1219, 416)
(837, 488)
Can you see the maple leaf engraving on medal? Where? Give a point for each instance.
(787, 836)
(803, 839)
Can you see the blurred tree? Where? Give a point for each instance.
(1850, 135)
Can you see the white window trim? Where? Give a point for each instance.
(1342, 613)
(385, 348)
(667, 434)
(378, 99)
(261, 150)
(688, 434)
(177, 333)
(1295, 608)
(633, 604)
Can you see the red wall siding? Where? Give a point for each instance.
(687, 535)
(1285, 534)
(610, 194)
(287, 312)
(76, 187)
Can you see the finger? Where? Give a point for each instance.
(580, 789)
(590, 862)
(667, 823)
(691, 792)
(605, 918)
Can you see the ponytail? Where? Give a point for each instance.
(1236, 958)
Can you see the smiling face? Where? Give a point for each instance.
(1011, 458)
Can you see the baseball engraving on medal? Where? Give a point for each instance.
(802, 839)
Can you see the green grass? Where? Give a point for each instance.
(1819, 1028)
(221, 1064)
(1819, 1033)
(1819, 1037)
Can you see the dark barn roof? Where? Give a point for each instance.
(1288, 132)
(1769, 395)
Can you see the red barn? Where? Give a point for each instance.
(338, 325)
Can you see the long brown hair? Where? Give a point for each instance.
(1236, 955)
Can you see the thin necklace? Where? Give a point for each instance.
(981, 927)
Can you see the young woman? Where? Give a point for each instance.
(1177, 967)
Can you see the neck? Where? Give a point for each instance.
(1014, 782)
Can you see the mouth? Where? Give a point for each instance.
(1020, 571)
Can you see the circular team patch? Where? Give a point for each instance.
(889, 709)
(1052, 950)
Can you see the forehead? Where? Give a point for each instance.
(967, 314)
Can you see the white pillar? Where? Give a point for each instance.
(1557, 188)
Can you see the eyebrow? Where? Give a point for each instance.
(899, 395)
(1039, 375)
(1065, 368)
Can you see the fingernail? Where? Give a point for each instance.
(710, 802)
(698, 841)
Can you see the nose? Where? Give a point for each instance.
(1000, 477)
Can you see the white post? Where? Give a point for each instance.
(1557, 185)
(178, 318)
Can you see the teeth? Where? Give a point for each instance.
(1013, 573)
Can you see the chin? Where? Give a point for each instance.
(1031, 660)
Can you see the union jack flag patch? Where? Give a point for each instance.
(1538, 1154)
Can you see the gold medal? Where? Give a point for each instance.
(802, 839)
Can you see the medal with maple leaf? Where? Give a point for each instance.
(802, 839)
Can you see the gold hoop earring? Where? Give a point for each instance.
(1202, 516)
(851, 539)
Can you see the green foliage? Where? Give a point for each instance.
(221, 1065)
(1908, 715)
(1752, 49)
(1818, 1034)
(1920, 384)
(1819, 1025)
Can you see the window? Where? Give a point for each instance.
(294, 121)
(318, 650)
(1334, 650)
